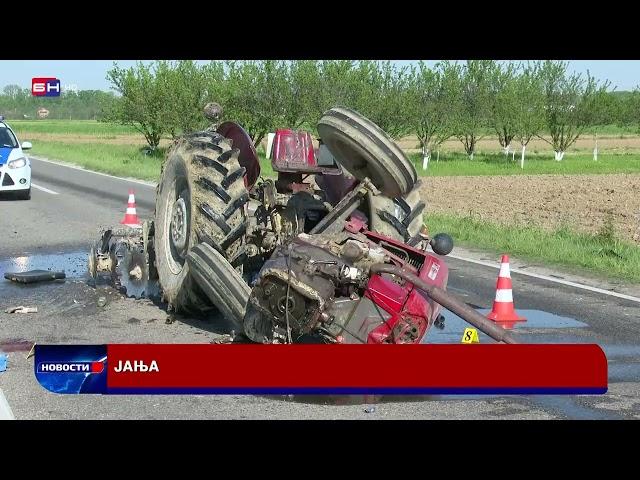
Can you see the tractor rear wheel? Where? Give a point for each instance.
(201, 198)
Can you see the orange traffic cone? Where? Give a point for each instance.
(503, 310)
(131, 217)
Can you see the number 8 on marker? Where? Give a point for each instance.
(470, 335)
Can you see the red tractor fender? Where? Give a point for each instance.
(248, 157)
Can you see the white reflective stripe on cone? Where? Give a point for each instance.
(504, 296)
(131, 211)
(132, 199)
(504, 271)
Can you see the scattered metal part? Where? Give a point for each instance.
(223, 339)
(22, 309)
(34, 276)
(127, 257)
(370, 410)
(134, 275)
(170, 319)
(102, 301)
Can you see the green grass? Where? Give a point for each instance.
(613, 130)
(70, 127)
(119, 160)
(603, 253)
(452, 164)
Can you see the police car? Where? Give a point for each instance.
(15, 167)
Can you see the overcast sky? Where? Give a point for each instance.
(90, 74)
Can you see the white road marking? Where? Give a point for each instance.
(5, 408)
(44, 189)
(75, 167)
(551, 279)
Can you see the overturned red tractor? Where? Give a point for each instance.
(333, 250)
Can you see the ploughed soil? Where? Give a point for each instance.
(581, 202)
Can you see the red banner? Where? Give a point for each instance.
(240, 368)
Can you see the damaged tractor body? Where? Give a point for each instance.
(333, 250)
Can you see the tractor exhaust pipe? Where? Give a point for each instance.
(450, 302)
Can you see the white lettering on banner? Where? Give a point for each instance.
(136, 366)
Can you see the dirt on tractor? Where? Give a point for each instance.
(581, 202)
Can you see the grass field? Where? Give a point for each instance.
(69, 127)
(498, 164)
(120, 160)
(601, 253)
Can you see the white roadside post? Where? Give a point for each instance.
(595, 150)
(522, 157)
(513, 156)
(438, 157)
(425, 158)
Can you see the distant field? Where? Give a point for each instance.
(92, 127)
(120, 160)
(118, 149)
(66, 127)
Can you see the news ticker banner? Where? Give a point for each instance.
(322, 369)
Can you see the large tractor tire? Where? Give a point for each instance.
(364, 150)
(221, 283)
(400, 218)
(201, 198)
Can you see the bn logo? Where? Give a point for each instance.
(45, 87)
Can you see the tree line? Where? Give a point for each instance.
(463, 100)
(18, 103)
(513, 101)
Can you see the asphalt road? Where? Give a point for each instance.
(56, 229)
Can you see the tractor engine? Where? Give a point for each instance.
(318, 288)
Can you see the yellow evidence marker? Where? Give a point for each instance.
(470, 335)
